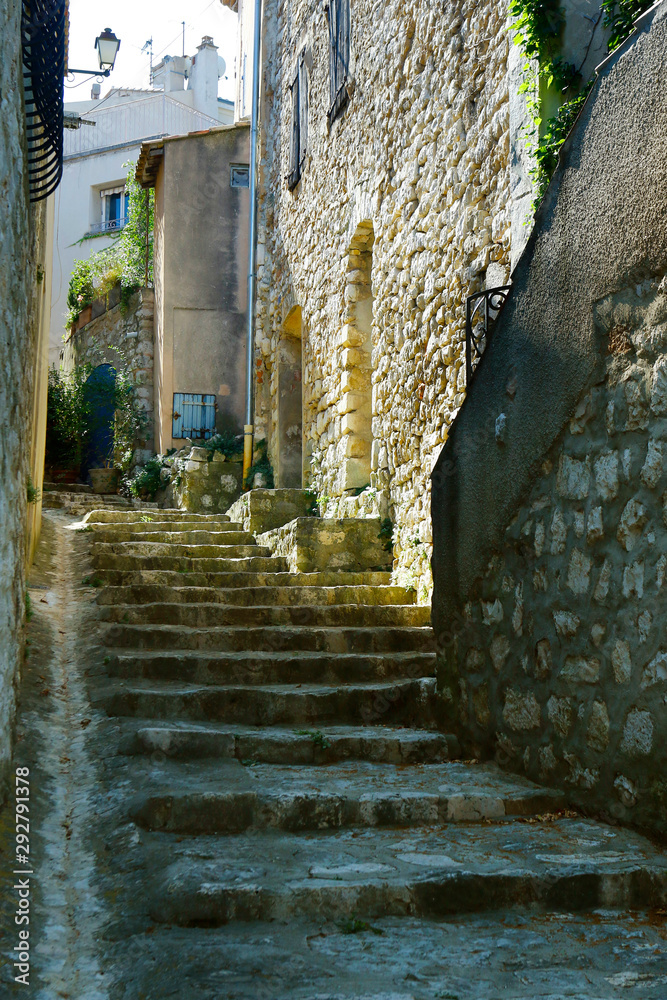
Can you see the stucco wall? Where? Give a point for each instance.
(22, 283)
(402, 210)
(128, 330)
(201, 274)
(553, 623)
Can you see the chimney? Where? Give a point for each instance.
(169, 74)
(207, 67)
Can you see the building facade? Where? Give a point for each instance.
(90, 202)
(393, 185)
(200, 272)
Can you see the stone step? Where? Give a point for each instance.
(231, 798)
(193, 607)
(566, 864)
(70, 488)
(251, 668)
(161, 515)
(167, 531)
(184, 564)
(517, 955)
(205, 550)
(405, 702)
(297, 640)
(257, 596)
(249, 573)
(275, 745)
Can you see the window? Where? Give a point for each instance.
(339, 56)
(240, 175)
(299, 133)
(113, 210)
(194, 415)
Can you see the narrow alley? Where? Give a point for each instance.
(241, 792)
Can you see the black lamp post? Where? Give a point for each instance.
(107, 46)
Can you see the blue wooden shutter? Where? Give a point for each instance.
(193, 416)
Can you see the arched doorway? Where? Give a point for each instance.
(289, 472)
(355, 408)
(99, 399)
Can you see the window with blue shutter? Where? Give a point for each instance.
(299, 133)
(194, 415)
(339, 56)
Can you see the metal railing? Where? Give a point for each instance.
(482, 310)
(43, 48)
(109, 226)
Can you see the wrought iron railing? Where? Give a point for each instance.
(482, 310)
(109, 226)
(43, 43)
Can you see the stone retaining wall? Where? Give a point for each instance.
(319, 544)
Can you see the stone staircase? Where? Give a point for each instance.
(287, 755)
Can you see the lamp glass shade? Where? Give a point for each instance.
(107, 46)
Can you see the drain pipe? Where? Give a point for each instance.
(248, 428)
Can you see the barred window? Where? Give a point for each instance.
(339, 56)
(299, 130)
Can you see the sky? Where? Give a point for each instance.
(134, 22)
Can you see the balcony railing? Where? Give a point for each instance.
(44, 43)
(110, 226)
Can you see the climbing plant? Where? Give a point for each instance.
(620, 15)
(124, 262)
(538, 27)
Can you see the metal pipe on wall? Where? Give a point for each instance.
(248, 429)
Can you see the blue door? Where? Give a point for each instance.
(99, 399)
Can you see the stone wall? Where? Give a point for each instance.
(22, 277)
(549, 496)
(327, 544)
(201, 483)
(127, 329)
(401, 211)
(563, 650)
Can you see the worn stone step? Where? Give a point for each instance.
(259, 572)
(568, 864)
(162, 515)
(132, 638)
(232, 798)
(182, 534)
(194, 607)
(185, 564)
(275, 745)
(258, 596)
(204, 667)
(151, 548)
(407, 702)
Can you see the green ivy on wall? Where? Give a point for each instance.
(538, 26)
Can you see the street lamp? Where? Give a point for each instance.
(107, 46)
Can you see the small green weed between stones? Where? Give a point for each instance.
(386, 533)
(318, 738)
(145, 517)
(32, 493)
(106, 660)
(80, 531)
(28, 607)
(356, 926)
(92, 581)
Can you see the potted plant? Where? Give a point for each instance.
(105, 480)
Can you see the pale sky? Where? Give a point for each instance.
(134, 22)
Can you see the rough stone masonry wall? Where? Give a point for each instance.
(128, 330)
(564, 653)
(401, 212)
(21, 273)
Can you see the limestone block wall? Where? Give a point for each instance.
(402, 210)
(128, 330)
(22, 282)
(318, 545)
(563, 650)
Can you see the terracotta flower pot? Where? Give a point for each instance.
(85, 316)
(104, 480)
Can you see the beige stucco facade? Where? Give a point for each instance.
(200, 268)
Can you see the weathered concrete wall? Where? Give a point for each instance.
(201, 229)
(318, 544)
(553, 624)
(401, 211)
(23, 261)
(130, 331)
